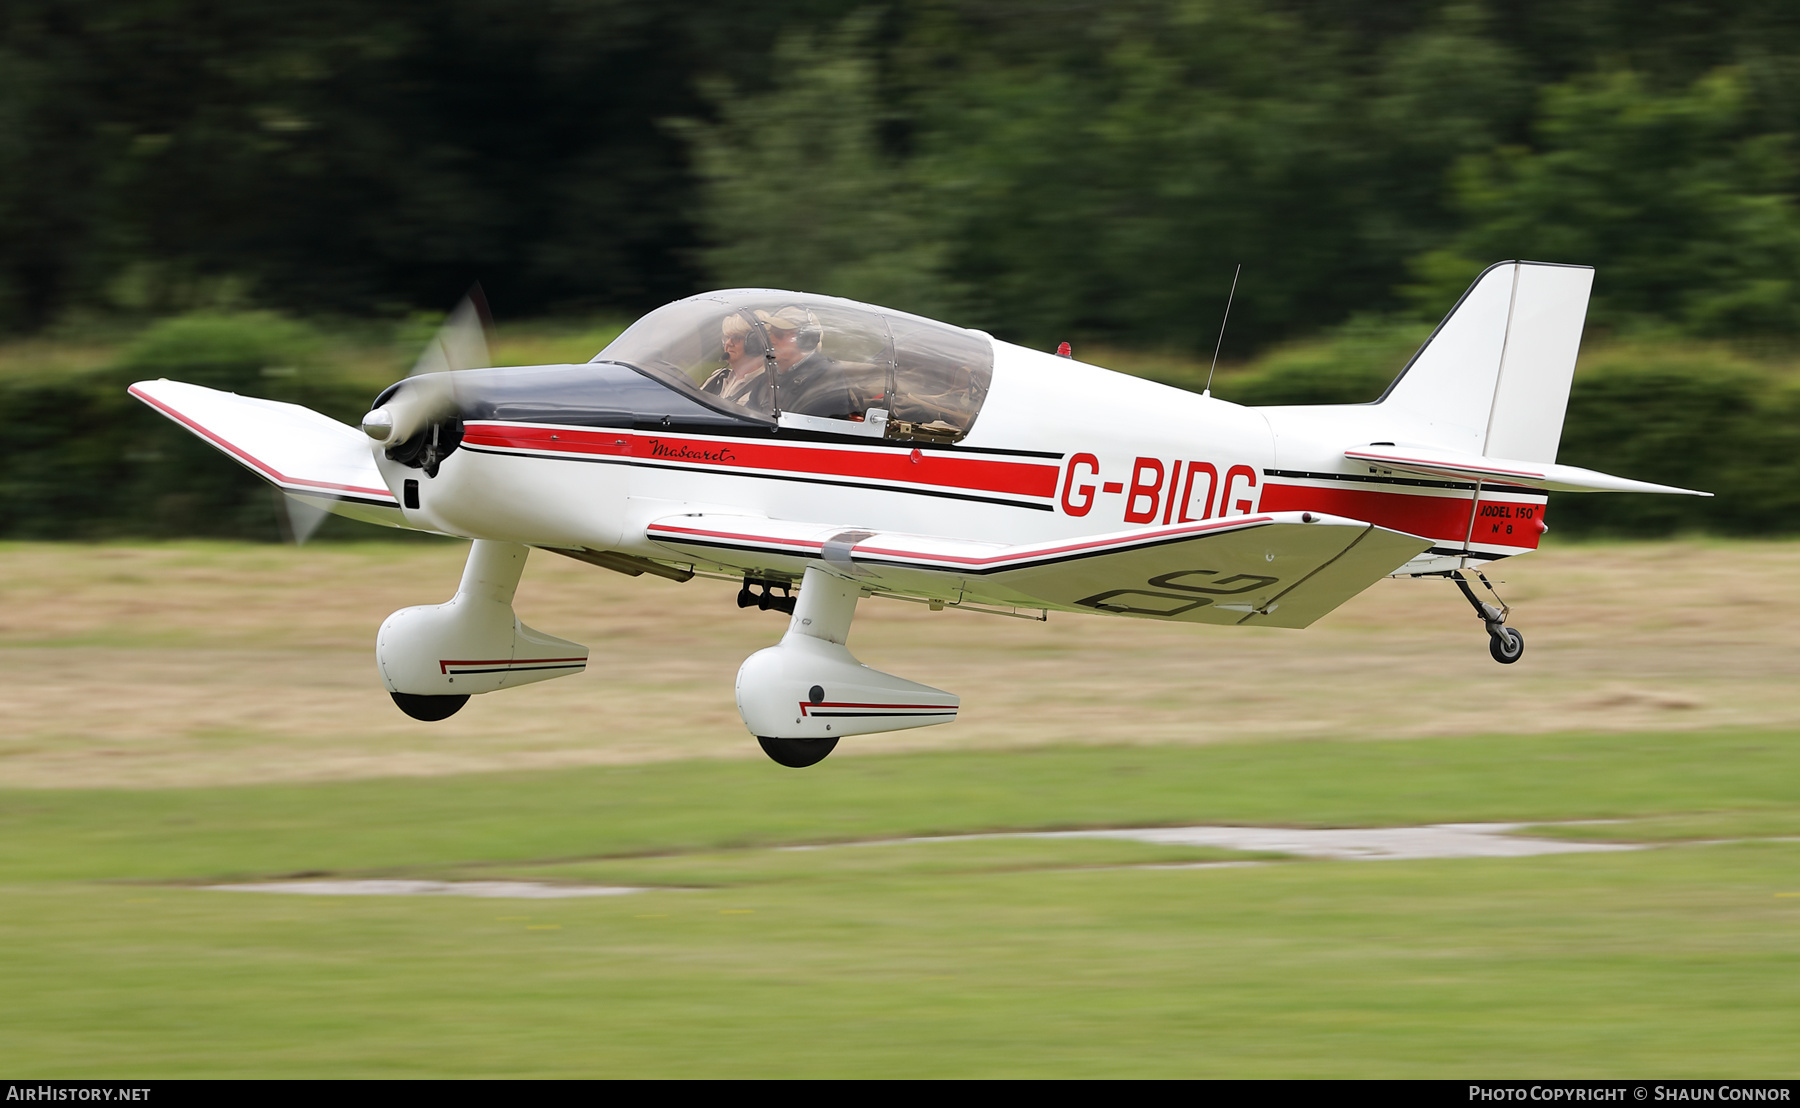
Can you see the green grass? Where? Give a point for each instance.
(1686, 827)
(390, 825)
(972, 958)
(891, 858)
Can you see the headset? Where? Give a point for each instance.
(756, 342)
(810, 333)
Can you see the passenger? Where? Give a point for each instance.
(743, 359)
(806, 380)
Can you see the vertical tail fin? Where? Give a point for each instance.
(1494, 377)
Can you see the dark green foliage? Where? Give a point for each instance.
(1084, 168)
(1695, 417)
(354, 157)
(800, 193)
(79, 457)
(1090, 169)
(1354, 365)
(1686, 210)
(1099, 170)
(1110, 188)
(1691, 422)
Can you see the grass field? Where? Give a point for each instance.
(193, 663)
(188, 715)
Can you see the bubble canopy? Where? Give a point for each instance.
(770, 354)
(712, 364)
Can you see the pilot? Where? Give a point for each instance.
(743, 358)
(806, 380)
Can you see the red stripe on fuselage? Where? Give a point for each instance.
(1434, 517)
(911, 468)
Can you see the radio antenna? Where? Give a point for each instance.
(1215, 362)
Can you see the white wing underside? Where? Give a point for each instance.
(308, 456)
(1275, 570)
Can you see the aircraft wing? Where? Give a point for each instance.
(1474, 467)
(1282, 569)
(309, 456)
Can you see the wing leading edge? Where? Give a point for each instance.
(309, 456)
(1277, 570)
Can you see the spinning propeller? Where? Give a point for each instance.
(299, 518)
(428, 394)
(412, 408)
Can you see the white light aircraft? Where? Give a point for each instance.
(819, 451)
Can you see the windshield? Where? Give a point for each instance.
(592, 395)
(771, 352)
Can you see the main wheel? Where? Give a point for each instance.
(429, 708)
(1508, 646)
(797, 753)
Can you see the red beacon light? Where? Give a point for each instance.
(1064, 351)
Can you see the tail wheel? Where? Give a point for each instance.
(429, 708)
(1506, 645)
(797, 753)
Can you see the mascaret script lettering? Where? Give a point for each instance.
(687, 452)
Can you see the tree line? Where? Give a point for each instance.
(1042, 170)
(1078, 169)
(80, 459)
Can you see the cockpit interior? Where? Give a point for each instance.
(816, 362)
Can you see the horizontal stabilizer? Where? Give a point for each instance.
(1280, 570)
(304, 454)
(1503, 471)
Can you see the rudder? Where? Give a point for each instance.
(1494, 378)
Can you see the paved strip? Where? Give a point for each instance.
(1362, 844)
(1354, 844)
(1359, 844)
